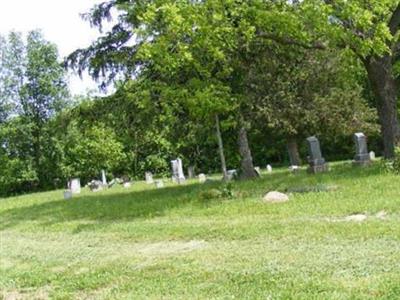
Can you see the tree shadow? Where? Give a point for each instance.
(105, 208)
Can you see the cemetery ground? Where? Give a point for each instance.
(209, 241)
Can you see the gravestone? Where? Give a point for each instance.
(372, 155)
(67, 194)
(126, 184)
(191, 174)
(96, 185)
(202, 178)
(316, 161)
(362, 157)
(149, 177)
(75, 186)
(258, 171)
(177, 171)
(269, 168)
(294, 169)
(159, 184)
(103, 178)
(232, 174)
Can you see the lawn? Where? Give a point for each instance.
(208, 241)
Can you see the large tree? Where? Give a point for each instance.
(370, 28)
(34, 88)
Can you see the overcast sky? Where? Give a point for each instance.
(60, 22)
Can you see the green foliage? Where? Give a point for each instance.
(396, 161)
(89, 151)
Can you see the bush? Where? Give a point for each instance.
(396, 161)
(392, 166)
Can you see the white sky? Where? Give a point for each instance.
(60, 22)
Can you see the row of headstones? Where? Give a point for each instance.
(178, 175)
(74, 185)
(318, 164)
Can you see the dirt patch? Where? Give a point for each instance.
(356, 218)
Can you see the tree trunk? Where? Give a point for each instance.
(247, 167)
(293, 150)
(380, 74)
(221, 148)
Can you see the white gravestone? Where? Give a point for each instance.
(372, 155)
(269, 168)
(202, 178)
(149, 178)
(103, 177)
(75, 186)
(126, 184)
(177, 171)
(159, 184)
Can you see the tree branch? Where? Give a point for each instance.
(394, 23)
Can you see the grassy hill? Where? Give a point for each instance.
(208, 241)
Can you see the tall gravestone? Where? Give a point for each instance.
(177, 171)
(103, 178)
(316, 161)
(362, 157)
(75, 186)
(191, 173)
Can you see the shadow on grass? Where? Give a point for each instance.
(107, 208)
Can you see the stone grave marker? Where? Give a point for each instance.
(202, 178)
(362, 157)
(232, 174)
(177, 171)
(67, 194)
(316, 161)
(269, 168)
(159, 183)
(149, 177)
(103, 178)
(75, 186)
(372, 155)
(191, 174)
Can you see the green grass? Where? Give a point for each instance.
(181, 243)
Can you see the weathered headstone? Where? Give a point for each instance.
(103, 178)
(126, 184)
(372, 155)
(269, 168)
(67, 194)
(202, 178)
(95, 185)
(362, 157)
(149, 177)
(258, 171)
(177, 171)
(75, 186)
(159, 183)
(294, 169)
(191, 174)
(316, 161)
(232, 174)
